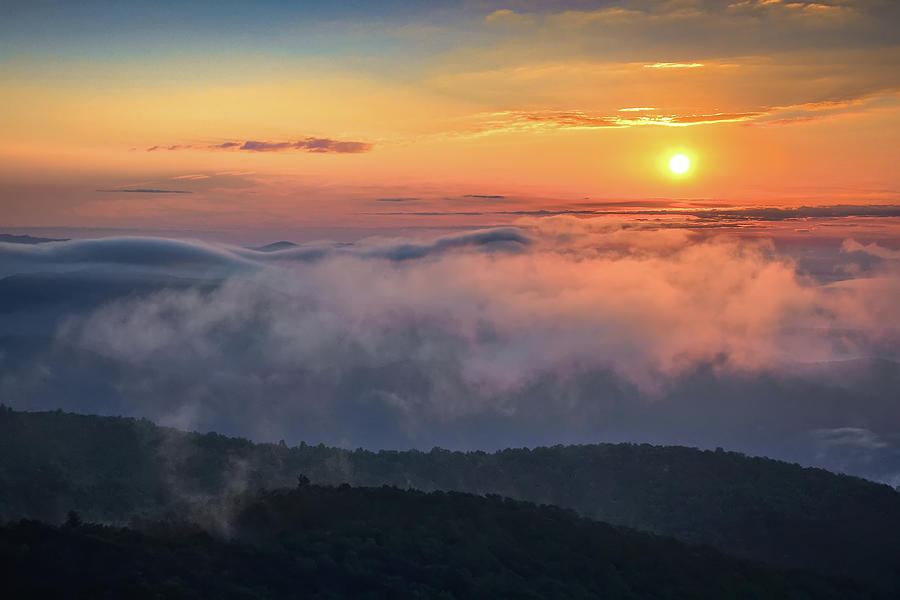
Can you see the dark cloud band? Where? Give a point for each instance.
(308, 144)
(147, 191)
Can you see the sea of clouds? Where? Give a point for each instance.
(556, 330)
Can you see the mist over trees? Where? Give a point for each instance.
(344, 542)
(116, 469)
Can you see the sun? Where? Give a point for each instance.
(679, 164)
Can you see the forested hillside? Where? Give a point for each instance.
(343, 542)
(111, 469)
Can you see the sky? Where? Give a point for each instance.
(484, 243)
(292, 117)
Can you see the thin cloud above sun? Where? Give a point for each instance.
(506, 122)
(671, 65)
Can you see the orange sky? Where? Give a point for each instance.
(437, 110)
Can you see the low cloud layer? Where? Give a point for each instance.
(689, 213)
(558, 330)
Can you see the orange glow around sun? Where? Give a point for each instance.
(394, 127)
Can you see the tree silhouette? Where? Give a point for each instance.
(73, 519)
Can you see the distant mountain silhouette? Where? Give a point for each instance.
(275, 246)
(27, 239)
(110, 469)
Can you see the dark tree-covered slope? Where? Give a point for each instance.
(327, 542)
(110, 469)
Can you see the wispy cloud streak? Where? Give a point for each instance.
(512, 121)
(147, 191)
(309, 144)
(673, 65)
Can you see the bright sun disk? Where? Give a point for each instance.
(679, 164)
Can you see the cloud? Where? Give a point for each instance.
(124, 255)
(872, 249)
(485, 196)
(694, 213)
(762, 61)
(595, 294)
(501, 238)
(671, 65)
(512, 121)
(497, 239)
(187, 257)
(432, 213)
(559, 329)
(192, 177)
(816, 111)
(706, 119)
(404, 199)
(27, 239)
(800, 212)
(729, 26)
(851, 436)
(546, 84)
(509, 18)
(309, 144)
(148, 191)
(267, 146)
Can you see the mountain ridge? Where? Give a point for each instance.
(345, 542)
(113, 468)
